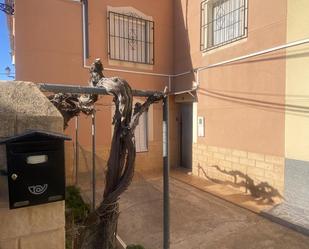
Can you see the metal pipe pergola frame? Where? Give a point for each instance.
(59, 88)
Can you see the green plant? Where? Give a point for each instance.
(75, 205)
(76, 212)
(68, 243)
(135, 247)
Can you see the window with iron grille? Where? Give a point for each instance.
(222, 22)
(130, 38)
(141, 133)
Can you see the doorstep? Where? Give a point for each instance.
(224, 192)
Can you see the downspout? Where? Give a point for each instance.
(169, 83)
(85, 32)
(197, 79)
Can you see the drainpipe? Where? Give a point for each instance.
(169, 83)
(85, 32)
(197, 79)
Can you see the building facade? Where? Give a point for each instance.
(250, 115)
(128, 35)
(237, 70)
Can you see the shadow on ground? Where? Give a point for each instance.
(262, 192)
(198, 221)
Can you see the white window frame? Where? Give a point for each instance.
(141, 134)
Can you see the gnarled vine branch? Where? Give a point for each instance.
(101, 225)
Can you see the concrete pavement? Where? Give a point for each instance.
(198, 221)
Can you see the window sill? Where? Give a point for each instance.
(144, 151)
(229, 45)
(130, 64)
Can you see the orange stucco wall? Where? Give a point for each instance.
(241, 103)
(49, 49)
(233, 98)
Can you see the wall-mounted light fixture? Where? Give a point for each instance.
(6, 8)
(8, 72)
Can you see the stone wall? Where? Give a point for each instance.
(258, 174)
(23, 107)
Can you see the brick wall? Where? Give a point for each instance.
(257, 174)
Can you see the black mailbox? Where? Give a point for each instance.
(35, 168)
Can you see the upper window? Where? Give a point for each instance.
(222, 22)
(130, 38)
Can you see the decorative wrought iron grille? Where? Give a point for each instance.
(222, 22)
(130, 38)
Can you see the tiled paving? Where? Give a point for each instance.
(291, 216)
(296, 189)
(294, 211)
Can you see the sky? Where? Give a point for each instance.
(5, 58)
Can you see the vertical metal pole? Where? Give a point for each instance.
(76, 149)
(169, 83)
(85, 29)
(197, 78)
(166, 204)
(93, 161)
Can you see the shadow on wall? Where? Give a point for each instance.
(263, 192)
(85, 160)
(296, 110)
(85, 170)
(182, 47)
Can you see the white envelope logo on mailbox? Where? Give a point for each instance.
(37, 189)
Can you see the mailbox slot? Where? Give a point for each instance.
(37, 159)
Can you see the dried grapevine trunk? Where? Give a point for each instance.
(101, 225)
